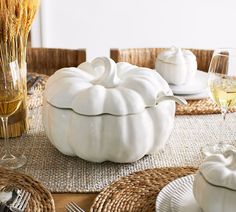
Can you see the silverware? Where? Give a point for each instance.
(3, 207)
(178, 99)
(163, 97)
(32, 82)
(20, 203)
(17, 199)
(11, 189)
(73, 207)
(29, 78)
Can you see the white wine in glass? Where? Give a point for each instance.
(11, 96)
(222, 89)
(9, 102)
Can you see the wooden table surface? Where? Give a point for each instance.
(84, 200)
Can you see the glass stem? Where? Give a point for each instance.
(6, 147)
(222, 124)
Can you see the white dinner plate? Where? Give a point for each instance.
(197, 85)
(203, 95)
(183, 200)
(163, 201)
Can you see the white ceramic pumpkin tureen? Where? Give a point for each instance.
(177, 66)
(214, 186)
(106, 111)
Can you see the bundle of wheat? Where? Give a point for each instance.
(16, 18)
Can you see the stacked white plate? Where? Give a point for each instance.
(194, 89)
(177, 196)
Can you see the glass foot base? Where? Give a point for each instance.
(13, 162)
(216, 149)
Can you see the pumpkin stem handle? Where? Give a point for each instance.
(109, 78)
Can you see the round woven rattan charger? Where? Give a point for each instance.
(137, 191)
(40, 200)
(200, 107)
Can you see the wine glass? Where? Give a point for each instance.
(222, 89)
(11, 96)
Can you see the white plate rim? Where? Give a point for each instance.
(164, 196)
(183, 91)
(203, 95)
(177, 197)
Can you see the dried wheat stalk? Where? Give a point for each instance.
(16, 18)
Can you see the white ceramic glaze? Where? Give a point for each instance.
(170, 191)
(214, 185)
(182, 199)
(120, 89)
(177, 66)
(198, 84)
(106, 111)
(106, 137)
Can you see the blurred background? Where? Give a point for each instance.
(99, 25)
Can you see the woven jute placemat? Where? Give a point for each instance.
(40, 200)
(138, 191)
(199, 107)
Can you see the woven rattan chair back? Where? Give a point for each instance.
(47, 61)
(146, 57)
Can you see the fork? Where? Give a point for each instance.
(73, 207)
(10, 189)
(33, 84)
(20, 203)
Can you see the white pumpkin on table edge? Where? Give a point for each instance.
(214, 185)
(103, 111)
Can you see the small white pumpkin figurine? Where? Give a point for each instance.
(177, 66)
(106, 111)
(214, 186)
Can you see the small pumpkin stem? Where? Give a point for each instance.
(229, 153)
(109, 78)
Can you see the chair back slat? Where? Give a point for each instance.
(146, 57)
(47, 61)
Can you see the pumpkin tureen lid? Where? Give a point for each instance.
(105, 87)
(176, 56)
(220, 169)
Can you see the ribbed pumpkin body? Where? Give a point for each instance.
(109, 138)
(106, 111)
